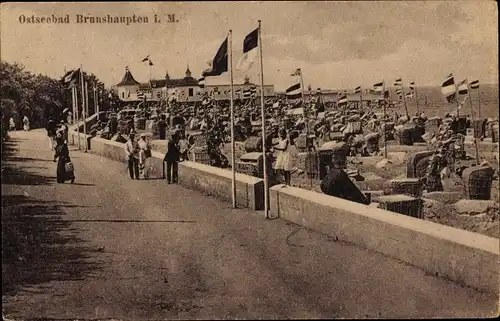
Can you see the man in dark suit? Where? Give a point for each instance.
(172, 159)
(338, 184)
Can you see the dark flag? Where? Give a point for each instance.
(250, 44)
(219, 64)
(71, 78)
(145, 59)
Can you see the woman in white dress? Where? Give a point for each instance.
(26, 123)
(284, 160)
(144, 156)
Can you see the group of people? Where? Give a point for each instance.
(26, 124)
(138, 155)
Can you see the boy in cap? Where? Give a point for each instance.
(132, 154)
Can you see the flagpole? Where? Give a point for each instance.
(416, 98)
(263, 117)
(82, 96)
(478, 104)
(73, 102)
(305, 119)
(233, 156)
(84, 104)
(472, 116)
(456, 96)
(404, 98)
(385, 120)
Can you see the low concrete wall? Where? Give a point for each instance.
(217, 182)
(465, 257)
(210, 180)
(73, 138)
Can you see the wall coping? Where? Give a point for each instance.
(202, 167)
(469, 239)
(222, 172)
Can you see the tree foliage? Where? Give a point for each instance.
(40, 97)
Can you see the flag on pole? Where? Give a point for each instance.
(151, 63)
(342, 99)
(294, 92)
(357, 90)
(296, 72)
(474, 84)
(412, 85)
(409, 95)
(201, 82)
(219, 64)
(398, 82)
(448, 88)
(249, 51)
(253, 92)
(463, 88)
(378, 87)
(72, 77)
(247, 93)
(145, 59)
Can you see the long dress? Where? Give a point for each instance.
(284, 159)
(26, 123)
(144, 159)
(62, 152)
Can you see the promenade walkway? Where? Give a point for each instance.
(111, 247)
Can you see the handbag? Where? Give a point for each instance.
(69, 167)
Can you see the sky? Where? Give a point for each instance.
(336, 44)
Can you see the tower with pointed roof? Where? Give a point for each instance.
(188, 72)
(127, 88)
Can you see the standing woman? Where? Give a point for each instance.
(65, 171)
(26, 123)
(144, 156)
(284, 162)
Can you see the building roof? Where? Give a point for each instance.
(183, 82)
(145, 86)
(158, 83)
(128, 79)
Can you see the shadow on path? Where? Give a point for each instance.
(38, 246)
(14, 167)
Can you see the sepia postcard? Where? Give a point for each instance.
(249, 160)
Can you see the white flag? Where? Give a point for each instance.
(246, 61)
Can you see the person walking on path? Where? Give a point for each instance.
(132, 155)
(63, 129)
(26, 123)
(65, 170)
(144, 156)
(172, 158)
(51, 133)
(12, 124)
